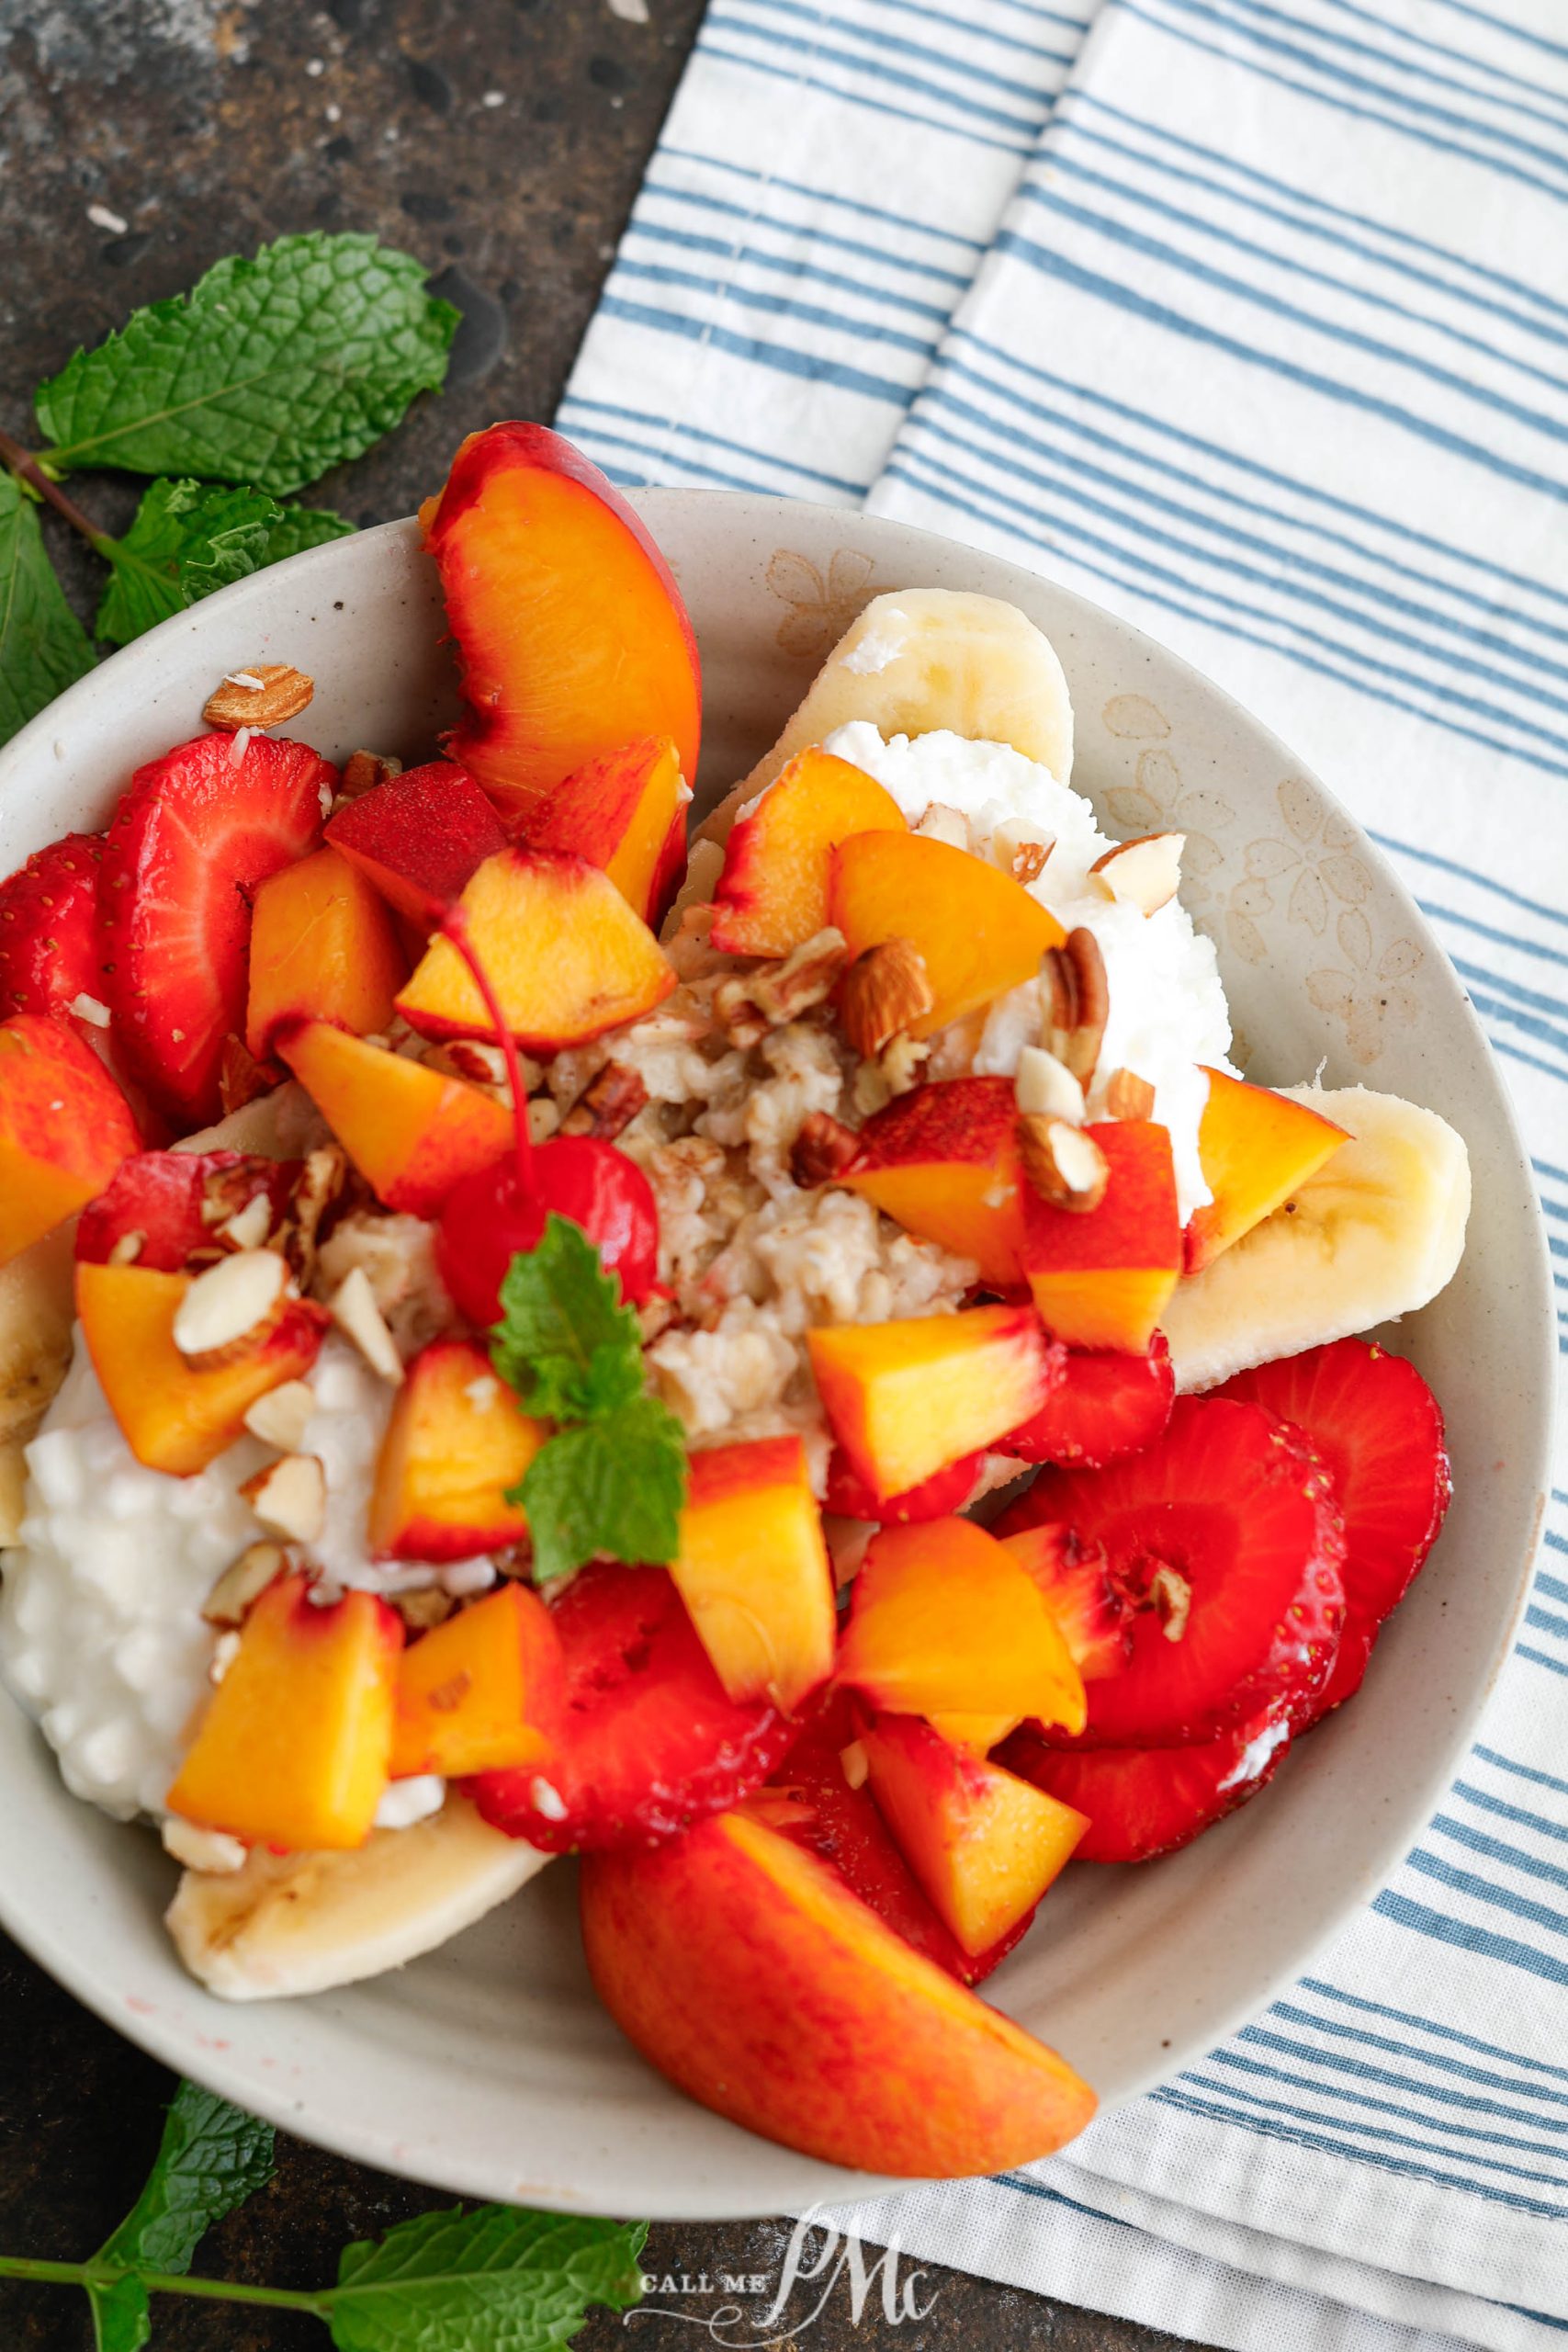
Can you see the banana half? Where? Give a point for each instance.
(287, 1924)
(1374, 1234)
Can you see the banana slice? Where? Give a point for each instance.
(919, 659)
(302, 1923)
(1375, 1234)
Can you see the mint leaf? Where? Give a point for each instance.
(269, 372)
(189, 538)
(299, 527)
(613, 1485)
(212, 2157)
(565, 1342)
(122, 2319)
(43, 646)
(510, 2281)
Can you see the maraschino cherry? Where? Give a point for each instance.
(492, 1215)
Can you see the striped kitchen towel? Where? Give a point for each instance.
(1249, 320)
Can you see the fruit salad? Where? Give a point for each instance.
(782, 1359)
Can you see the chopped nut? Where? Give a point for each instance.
(902, 1063)
(1145, 873)
(229, 1311)
(477, 1063)
(941, 823)
(225, 1191)
(607, 1104)
(124, 1250)
(362, 771)
(1128, 1096)
(90, 1009)
(823, 1149)
(882, 992)
(421, 1609)
(1045, 1088)
(242, 1583)
(654, 1316)
(264, 696)
(856, 1763)
(290, 1498)
(211, 1852)
(283, 1415)
(353, 1309)
(1028, 860)
(1077, 1003)
(249, 1226)
(737, 1014)
(225, 1650)
(1170, 1597)
(323, 1182)
(1066, 1166)
(807, 977)
(241, 1077)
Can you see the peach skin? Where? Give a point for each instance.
(566, 954)
(1101, 1278)
(773, 892)
(1093, 1613)
(746, 1971)
(478, 1693)
(570, 632)
(64, 1128)
(1254, 1148)
(753, 1571)
(294, 1748)
(904, 1399)
(411, 1133)
(418, 837)
(323, 946)
(457, 1439)
(944, 1623)
(943, 1162)
(979, 932)
(624, 810)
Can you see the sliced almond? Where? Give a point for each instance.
(265, 694)
(353, 1309)
(230, 1310)
(283, 1415)
(941, 823)
(823, 1149)
(249, 1226)
(362, 771)
(1145, 873)
(1128, 1096)
(242, 1583)
(1077, 1003)
(882, 992)
(1064, 1166)
(126, 1248)
(1045, 1088)
(856, 1763)
(1028, 860)
(290, 1498)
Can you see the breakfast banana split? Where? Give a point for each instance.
(792, 1367)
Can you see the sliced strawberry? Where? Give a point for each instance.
(1146, 1801)
(648, 1743)
(175, 1201)
(1106, 1407)
(1229, 1527)
(944, 1491)
(49, 953)
(191, 837)
(1378, 1427)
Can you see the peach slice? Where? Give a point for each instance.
(905, 1399)
(476, 1694)
(322, 945)
(456, 1440)
(411, 1133)
(295, 1745)
(979, 932)
(984, 1845)
(1101, 1278)
(566, 954)
(1255, 1147)
(418, 837)
(64, 1128)
(754, 1570)
(943, 1622)
(568, 625)
(174, 1418)
(745, 1970)
(941, 1161)
(1093, 1613)
(773, 892)
(625, 810)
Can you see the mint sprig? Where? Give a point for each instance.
(613, 1481)
(189, 538)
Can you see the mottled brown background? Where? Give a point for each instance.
(209, 129)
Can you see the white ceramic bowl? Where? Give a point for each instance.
(489, 2067)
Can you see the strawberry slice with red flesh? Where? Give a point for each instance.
(1379, 1429)
(193, 836)
(174, 1202)
(1229, 1528)
(49, 951)
(1146, 1801)
(646, 1742)
(1106, 1407)
(937, 1497)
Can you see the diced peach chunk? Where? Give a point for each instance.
(624, 810)
(943, 1162)
(64, 1128)
(983, 1844)
(567, 956)
(1101, 1278)
(773, 892)
(295, 1745)
(411, 1132)
(1255, 1147)
(418, 837)
(172, 1417)
(905, 1399)
(745, 1970)
(944, 1622)
(1093, 1613)
(754, 1570)
(479, 1693)
(322, 945)
(456, 1440)
(978, 930)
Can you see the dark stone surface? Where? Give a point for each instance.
(209, 127)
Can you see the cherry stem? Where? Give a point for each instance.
(455, 927)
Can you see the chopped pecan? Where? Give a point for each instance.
(264, 696)
(1077, 1003)
(823, 1149)
(773, 994)
(607, 1104)
(882, 992)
